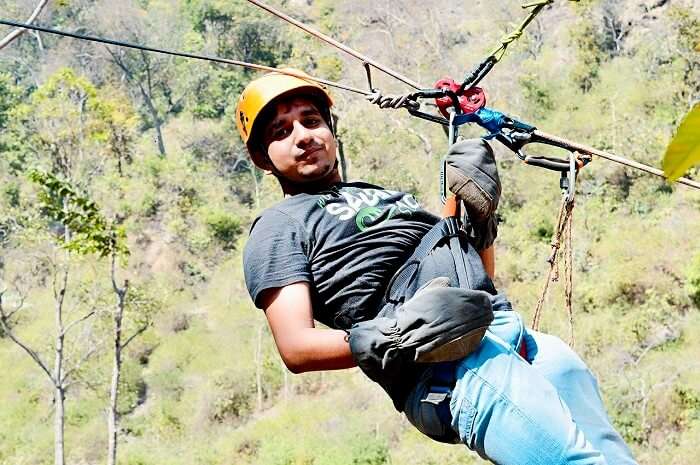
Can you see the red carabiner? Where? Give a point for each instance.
(470, 101)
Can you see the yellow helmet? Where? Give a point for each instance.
(259, 93)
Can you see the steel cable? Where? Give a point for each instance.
(183, 54)
(336, 44)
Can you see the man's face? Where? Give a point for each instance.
(299, 143)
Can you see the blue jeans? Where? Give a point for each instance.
(546, 412)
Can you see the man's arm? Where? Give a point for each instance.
(302, 346)
(488, 257)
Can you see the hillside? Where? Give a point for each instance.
(151, 139)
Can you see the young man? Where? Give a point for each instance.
(365, 260)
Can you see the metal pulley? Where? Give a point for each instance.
(470, 100)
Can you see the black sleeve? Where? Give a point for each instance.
(275, 254)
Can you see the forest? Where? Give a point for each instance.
(127, 334)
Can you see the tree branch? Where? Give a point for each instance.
(35, 356)
(19, 31)
(133, 336)
(73, 323)
(77, 366)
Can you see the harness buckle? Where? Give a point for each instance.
(437, 395)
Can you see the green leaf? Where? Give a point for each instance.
(684, 149)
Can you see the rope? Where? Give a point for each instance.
(18, 32)
(506, 40)
(195, 56)
(392, 101)
(568, 271)
(389, 101)
(563, 228)
(553, 273)
(336, 44)
(483, 68)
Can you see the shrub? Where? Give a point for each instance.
(225, 228)
(693, 281)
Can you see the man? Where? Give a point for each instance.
(358, 258)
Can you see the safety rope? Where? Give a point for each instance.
(564, 228)
(472, 78)
(184, 55)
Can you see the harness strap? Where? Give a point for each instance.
(442, 382)
(463, 272)
(445, 229)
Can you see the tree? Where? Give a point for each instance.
(68, 122)
(93, 234)
(153, 78)
(19, 31)
(74, 216)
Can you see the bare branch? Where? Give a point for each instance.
(68, 373)
(133, 336)
(35, 356)
(7, 315)
(73, 323)
(19, 31)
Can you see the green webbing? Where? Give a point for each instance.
(498, 52)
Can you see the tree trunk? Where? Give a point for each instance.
(112, 412)
(341, 151)
(59, 422)
(58, 377)
(343, 164)
(59, 386)
(151, 107)
(156, 119)
(256, 183)
(285, 378)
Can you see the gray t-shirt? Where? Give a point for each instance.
(347, 242)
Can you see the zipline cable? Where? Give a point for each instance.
(336, 44)
(576, 147)
(195, 56)
(564, 143)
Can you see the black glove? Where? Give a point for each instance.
(438, 324)
(473, 177)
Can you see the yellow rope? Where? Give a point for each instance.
(506, 40)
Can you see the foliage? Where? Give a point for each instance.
(684, 149)
(694, 280)
(89, 231)
(225, 228)
(64, 118)
(9, 97)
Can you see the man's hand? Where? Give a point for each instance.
(302, 346)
